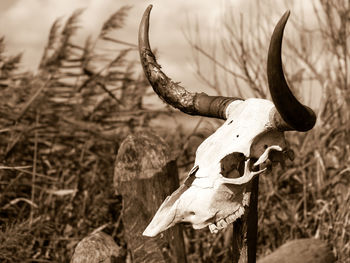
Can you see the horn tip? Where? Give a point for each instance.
(147, 12)
(144, 28)
(149, 8)
(285, 17)
(311, 120)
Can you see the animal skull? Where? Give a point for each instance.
(252, 139)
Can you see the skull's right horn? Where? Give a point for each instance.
(291, 115)
(171, 92)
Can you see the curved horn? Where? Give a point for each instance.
(292, 115)
(171, 92)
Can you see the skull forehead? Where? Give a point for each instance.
(245, 120)
(252, 108)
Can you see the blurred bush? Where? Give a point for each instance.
(60, 130)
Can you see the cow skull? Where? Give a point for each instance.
(249, 142)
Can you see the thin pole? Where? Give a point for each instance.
(245, 229)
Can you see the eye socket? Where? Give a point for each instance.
(265, 146)
(237, 135)
(230, 122)
(232, 165)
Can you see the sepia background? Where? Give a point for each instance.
(72, 90)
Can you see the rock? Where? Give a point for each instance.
(306, 250)
(98, 248)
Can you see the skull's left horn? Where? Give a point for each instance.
(171, 92)
(292, 115)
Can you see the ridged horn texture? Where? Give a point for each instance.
(291, 115)
(171, 92)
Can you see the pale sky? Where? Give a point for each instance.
(26, 24)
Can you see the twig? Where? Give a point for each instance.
(32, 99)
(34, 166)
(200, 50)
(119, 42)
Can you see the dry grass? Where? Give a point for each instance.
(60, 130)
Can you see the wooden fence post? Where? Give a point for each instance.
(145, 174)
(245, 229)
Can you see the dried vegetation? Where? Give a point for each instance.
(60, 130)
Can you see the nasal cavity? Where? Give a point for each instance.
(232, 165)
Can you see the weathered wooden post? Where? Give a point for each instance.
(245, 230)
(145, 174)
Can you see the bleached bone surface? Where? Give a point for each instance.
(214, 194)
